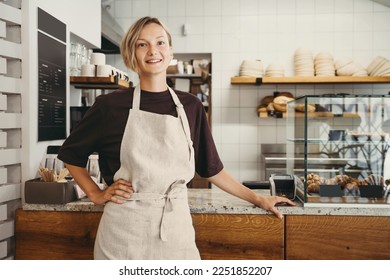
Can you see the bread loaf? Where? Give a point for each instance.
(280, 103)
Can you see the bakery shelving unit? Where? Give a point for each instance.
(246, 80)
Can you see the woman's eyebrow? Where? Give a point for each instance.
(155, 38)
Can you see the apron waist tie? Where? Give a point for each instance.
(175, 191)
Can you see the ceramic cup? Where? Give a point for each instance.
(104, 71)
(98, 58)
(88, 70)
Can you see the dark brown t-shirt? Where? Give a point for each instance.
(102, 128)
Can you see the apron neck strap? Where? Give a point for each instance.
(137, 98)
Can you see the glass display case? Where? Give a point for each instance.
(337, 148)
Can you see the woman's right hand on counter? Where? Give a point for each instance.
(118, 192)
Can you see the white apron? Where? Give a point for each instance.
(157, 156)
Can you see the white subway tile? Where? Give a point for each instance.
(362, 41)
(286, 7)
(248, 153)
(230, 98)
(248, 134)
(249, 171)
(363, 6)
(305, 6)
(343, 6)
(123, 9)
(195, 25)
(212, 25)
(324, 6)
(363, 22)
(230, 152)
(159, 8)
(176, 8)
(305, 23)
(381, 21)
(194, 8)
(230, 7)
(268, 135)
(194, 43)
(324, 23)
(343, 22)
(213, 7)
(230, 134)
(248, 7)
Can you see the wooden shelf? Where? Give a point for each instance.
(310, 115)
(243, 80)
(111, 82)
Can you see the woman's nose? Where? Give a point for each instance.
(152, 51)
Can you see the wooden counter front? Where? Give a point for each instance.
(337, 237)
(66, 235)
(239, 236)
(51, 235)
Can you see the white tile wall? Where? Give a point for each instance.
(270, 30)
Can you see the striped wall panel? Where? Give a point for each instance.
(10, 157)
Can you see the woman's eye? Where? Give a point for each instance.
(161, 43)
(141, 45)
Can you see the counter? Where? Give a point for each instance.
(226, 228)
(207, 201)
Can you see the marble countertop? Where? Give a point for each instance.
(215, 201)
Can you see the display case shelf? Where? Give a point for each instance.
(246, 80)
(111, 82)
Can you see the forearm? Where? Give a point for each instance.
(84, 180)
(227, 183)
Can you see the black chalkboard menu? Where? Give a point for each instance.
(51, 79)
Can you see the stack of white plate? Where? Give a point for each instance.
(274, 70)
(347, 67)
(253, 68)
(324, 64)
(303, 63)
(380, 66)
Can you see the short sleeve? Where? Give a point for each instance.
(85, 137)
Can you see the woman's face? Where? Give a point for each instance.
(152, 50)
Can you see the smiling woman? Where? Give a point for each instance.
(138, 40)
(150, 140)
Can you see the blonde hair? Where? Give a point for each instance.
(128, 43)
